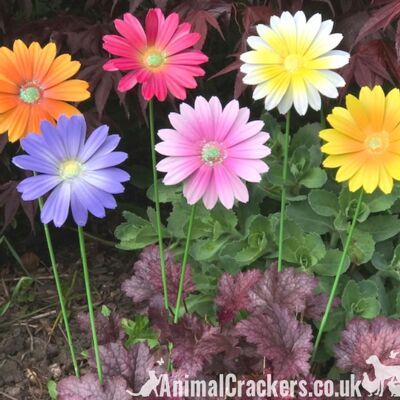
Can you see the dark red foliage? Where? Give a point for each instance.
(145, 286)
(365, 338)
(281, 339)
(132, 364)
(89, 388)
(108, 329)
(233, 293)
(10, 201)
(289, 289)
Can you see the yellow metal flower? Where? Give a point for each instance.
(364, 142)
(291, 61)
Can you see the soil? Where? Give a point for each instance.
(33, 347)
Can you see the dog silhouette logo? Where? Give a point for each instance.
(148, 387)
(384, 374)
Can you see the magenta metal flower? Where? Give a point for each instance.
(79, 174)
(212, 151)
(160, 56)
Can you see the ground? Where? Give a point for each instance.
(33, 348)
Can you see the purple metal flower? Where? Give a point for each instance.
(79, 174)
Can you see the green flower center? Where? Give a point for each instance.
(29, 94)
(212, 153)
(293, 63)
(377, 142)
(70, 169)
(155, 59)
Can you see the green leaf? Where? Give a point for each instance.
(105, 311)
(52, 389)
(378, 201)
(361, 248)
(368, 307)
(307, 135)
(139, 330)
(314, 178)
(351, 295)
(324, 203)
(381, 227)
(328, 265)
(201, 304)
(309, 220)
(135, 233)
(166, 194)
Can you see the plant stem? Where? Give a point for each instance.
(90, 303)
(283, 193)
(337, 277)
(184, 264)
(60, 293)
(157, 202)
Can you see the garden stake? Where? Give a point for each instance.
(184, 264)
(283, 193)
(338, 274)
(157, 202)
(60, 293)
(90, 303)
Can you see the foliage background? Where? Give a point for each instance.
(226, 240)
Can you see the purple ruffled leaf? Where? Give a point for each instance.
(365, 338)
(132, 364)
(108, 328)
(145, 286)
(281, 339)
(88, 387)
(289, 289)
(233, 293)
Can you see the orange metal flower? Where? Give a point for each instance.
(35, 86)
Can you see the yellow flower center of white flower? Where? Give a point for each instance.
(29, 94)
(293, 62)
(154, 59)
(213, 153)
(377, 142)
(70, 169)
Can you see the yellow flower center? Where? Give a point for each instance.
(29, 94)
(70, 169)
(377, 142)
(213, 153)
(293, 63)
(154, 58)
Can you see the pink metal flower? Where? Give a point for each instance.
(212, 150)
(159, 57)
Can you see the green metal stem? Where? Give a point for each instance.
(60, 293)
(90, 303)
(184, 264)
(337, 277)
(283, 193)
(157, 202)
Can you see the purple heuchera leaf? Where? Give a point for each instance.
(365, 338)
(194, 343)
(280, 338)
(316, 304)
(132, 364)
(289, 288)
(108, 328)
(89, 388)
(233, 293)
(145, 286)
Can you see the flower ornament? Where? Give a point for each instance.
(291, 60)
(79, 174)
(159, 57)
(212, 150)
(35, 85)
(364, 141)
